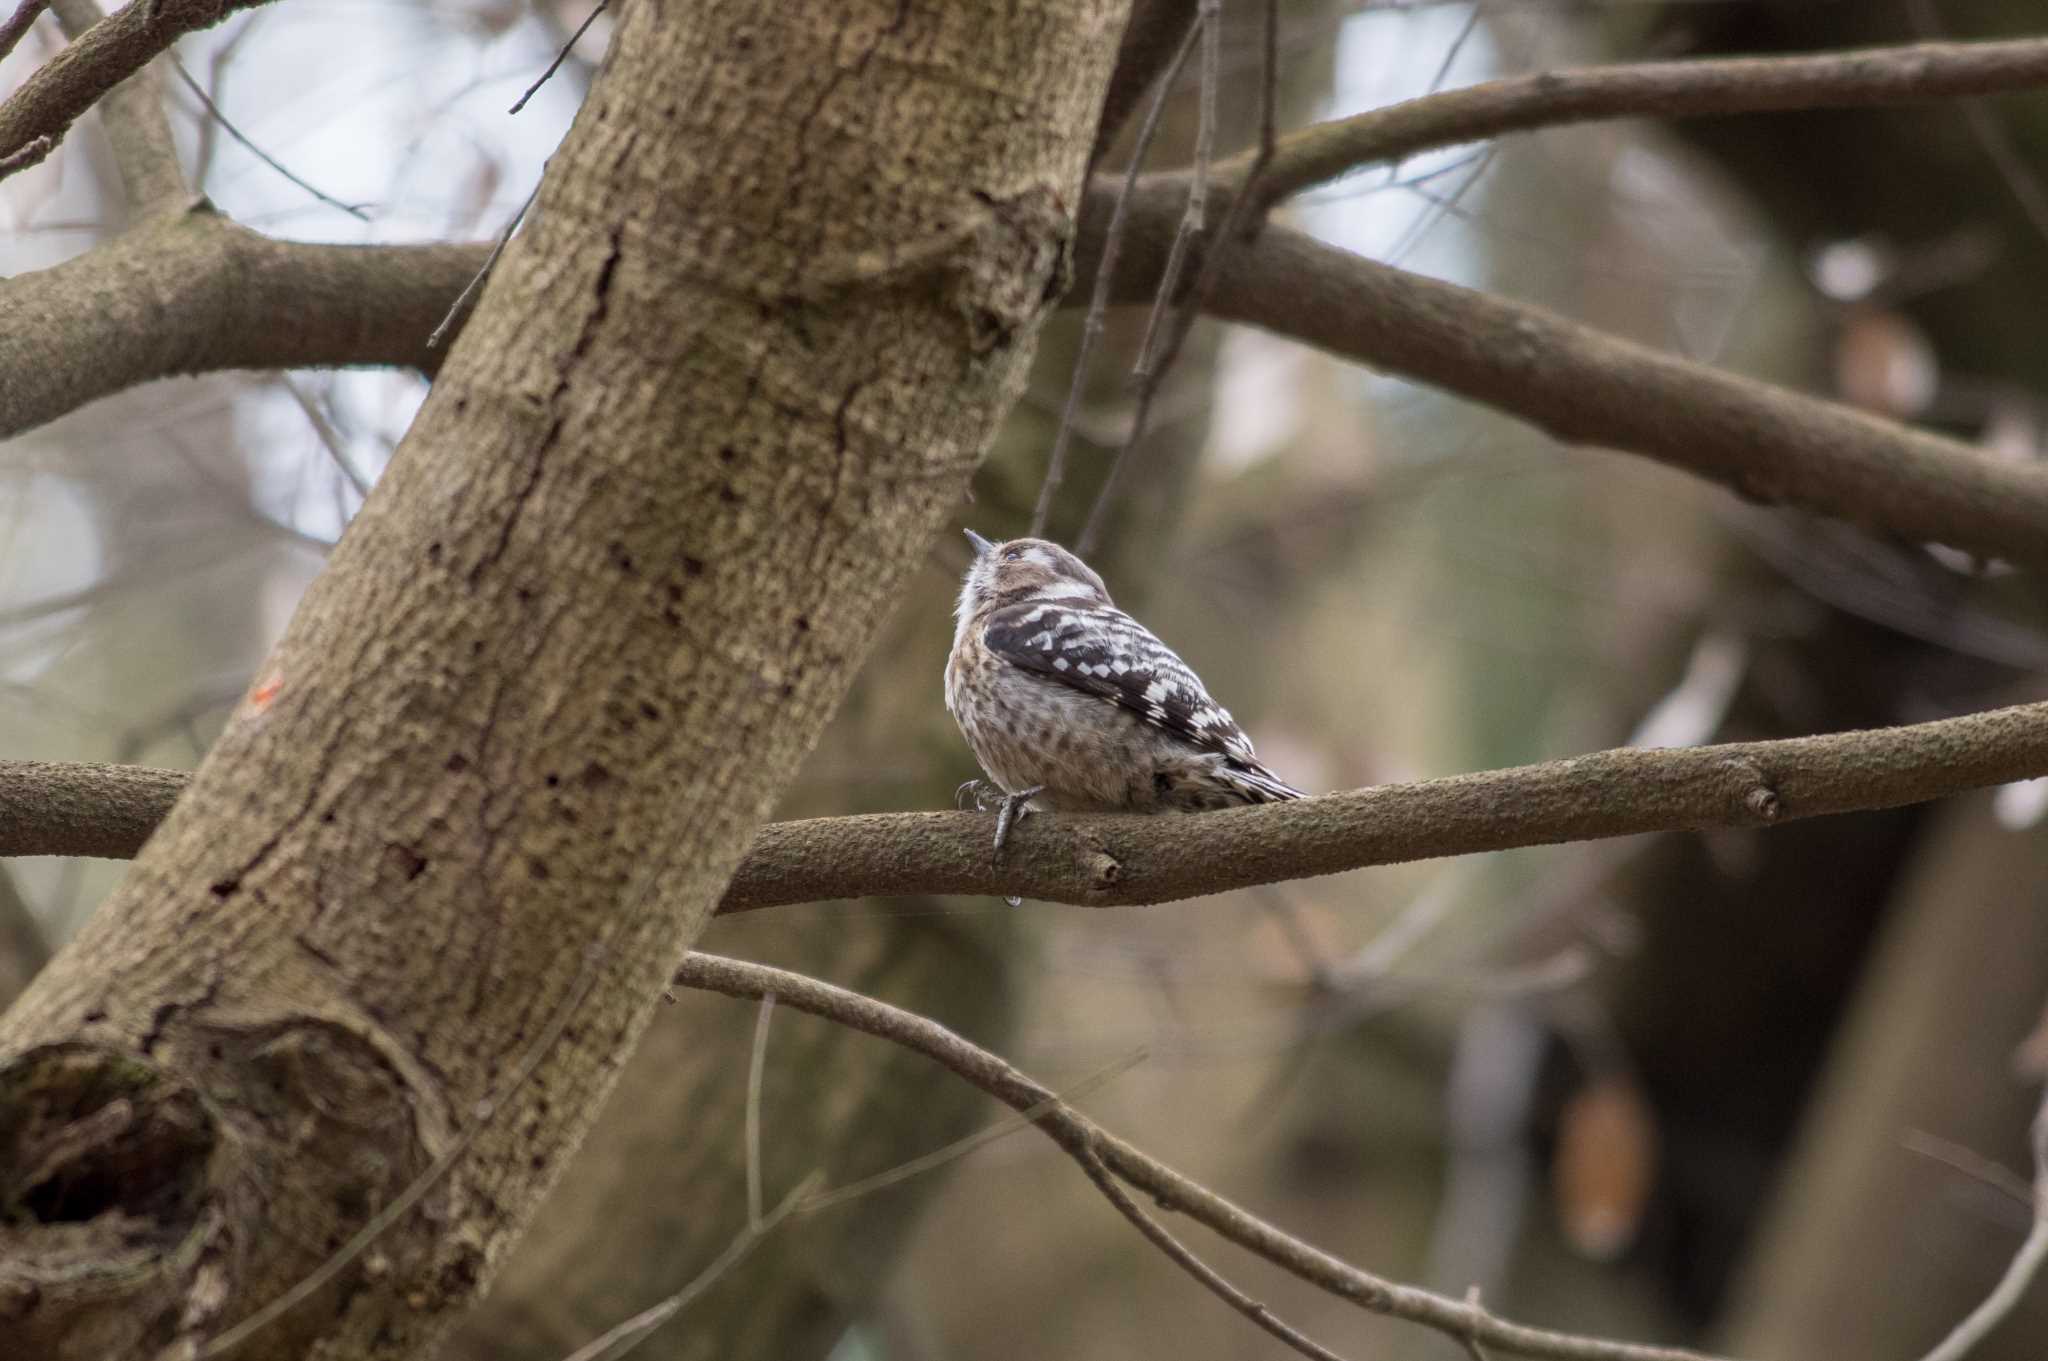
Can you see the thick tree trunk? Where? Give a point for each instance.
(782, 280)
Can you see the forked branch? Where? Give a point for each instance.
(98, 60)
(1089, 1144)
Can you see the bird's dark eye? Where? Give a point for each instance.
(1014, 555)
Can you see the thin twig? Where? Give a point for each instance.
(1269, 94)
(330, 438)
(617, 1341)
(806, 1200)
(213, 111)
(560, 57)
(1858, 78)
(483, 272)
(1969, 1162)
(1241, 223)
(480, 1119)
(29, 153)
(755, 1067)
(1194, 213)
(1440, 206)
(238, 501)
(2019, 1272)
(1992, 135)
(961, 1147)
(1186, 1259)
(218, 63)
(1443, 69)
(18, 24)
(1105, 275)
(1082, 1139)
(1150, 370)
(1585, 387)
(1473, 1347)
(1151, 36)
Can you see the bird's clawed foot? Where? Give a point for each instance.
(1013, 809)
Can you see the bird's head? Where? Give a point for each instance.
(1026, 570)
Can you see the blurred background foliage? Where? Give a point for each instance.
(1723, 1089)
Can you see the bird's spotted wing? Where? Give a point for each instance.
(1103, 651)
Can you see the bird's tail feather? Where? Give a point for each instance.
(1260, 785)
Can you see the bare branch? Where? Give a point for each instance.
(1088, 1142)
(458, 310)
(1571, 380)
(34, 152)
(1155, 32)
(1108, 861)
(1098, 299)
(1585, 387)
(1991, 134)
(1185, 1258)
(330, 438)
(132, 114)
(102, 810)
(1860, 78)
(567, 47)
(1167, 324)
(2019, 1272)
(49, 808)
(104, 62)
(756, 1063)
(240, 299)
(1240, 223)
(248, 301)
(967, 1143)
(635, 1330)
(17, 24)
(213, 111)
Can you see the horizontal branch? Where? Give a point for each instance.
(1671, 89)
(16, 26)
(104, 55)
(242, 300)
(66, 809)
(195, 293)
(245, 301)
(78, 808)
(1088, 1142)
(1584, 386)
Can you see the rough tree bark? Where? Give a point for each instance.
(627, 1224)
(781, 281)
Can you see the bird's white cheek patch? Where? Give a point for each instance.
(1066, 590)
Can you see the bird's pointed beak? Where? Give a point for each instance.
(981, 545)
